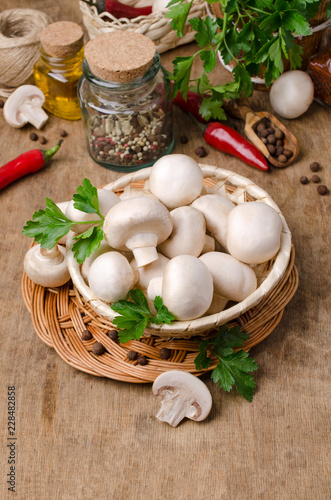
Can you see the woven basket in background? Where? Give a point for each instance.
(155, 26)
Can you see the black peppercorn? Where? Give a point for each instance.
(315, 166)
(98, 348)
(321, 189)
(316, 178)
(165, 353)
(132, 355)
(142, 360)
(271, 148)
(63, 133)
(42, 140)
(86, 335)
(304, 180)
(33, 136)
(282, 158)
(260, 127)
(288, 153)
(279, 134)
(271, 139)
(201, 152)
(113, 335)
(183, 139)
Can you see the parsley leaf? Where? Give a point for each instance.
(86, 199)
(233, 367)
(178, 12)
(87, 243)
(135, 315)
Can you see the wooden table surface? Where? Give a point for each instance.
(81, 437)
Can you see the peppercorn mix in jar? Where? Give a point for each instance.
(125, 102)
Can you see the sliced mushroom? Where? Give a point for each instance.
(138, 224)
(176, 180)
(215, 209)
(188, 233)
(47, 268)
(25, 106)
(253, 233)
(111, 277)
(181, 395)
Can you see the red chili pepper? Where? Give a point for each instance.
(27, 163)
(230, 141)
(191, 105)
(119, 10)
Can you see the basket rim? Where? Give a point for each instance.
(204, 323)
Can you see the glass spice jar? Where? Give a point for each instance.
(125, 101)
(59, 68)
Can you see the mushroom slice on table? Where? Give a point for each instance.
(181, 395)
(138, 224)
(25, 106)
(47, 268)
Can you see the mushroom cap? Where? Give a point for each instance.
(232, 279)
(176, 180)
(188, 233)
(22, 95)
(111, 277)
(63, 207)
(153, 270)
(215, 208)
(136, 216)
(48, 269)
(86, 266)
(187, 288)
(188, 385)
(253, 233)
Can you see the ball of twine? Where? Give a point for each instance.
(19, 46)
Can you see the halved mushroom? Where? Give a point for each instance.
(138, 224)
(47, 268)
(253, 232)
(25, 106)
(182, 395)
(215, 208)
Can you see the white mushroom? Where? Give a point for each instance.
(111, 277)
(47, 268)
(215, 208)
(181, 395)
(86, 266)
(130, 192)
(63, 207)
(176, 180)
(187, 288)
(188, 233)
(138, 224)
(253, 234)
(25, 106)
(153, 270)
(107, 199)
(154, 288)
(209, 244)
(232, 279)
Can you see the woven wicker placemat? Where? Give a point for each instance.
(60, 315)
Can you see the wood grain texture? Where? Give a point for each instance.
(81, 437)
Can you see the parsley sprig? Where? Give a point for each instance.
(233, 367)
(251, 33)
(48, 226)
(135, 315)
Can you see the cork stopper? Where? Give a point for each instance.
(120, 56)
(62, 39)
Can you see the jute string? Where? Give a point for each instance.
(19, 46)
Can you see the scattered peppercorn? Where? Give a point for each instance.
(201, 152)
(98, 348)
(132, 355)
(42, 140)
(2, 103)
(183, 139)
(304, 179)
(315, 166)
(142, 360)
(113, 335)
(321, 189)
(63, 133)
(33, 136)
(316, 178)
(86, 335)
(165, 353)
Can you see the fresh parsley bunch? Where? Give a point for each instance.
(233, 367)
(251, 33)
(48, 226)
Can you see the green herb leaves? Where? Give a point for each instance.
(251, 33)
(233, 367)
(135, 315)
(48, 226)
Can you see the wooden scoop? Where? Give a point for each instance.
(252, 119)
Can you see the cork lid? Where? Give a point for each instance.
(120, 56)
(62, 39)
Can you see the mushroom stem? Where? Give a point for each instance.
(51, 256)
(175, 406)
(143, 246)
(34, 113)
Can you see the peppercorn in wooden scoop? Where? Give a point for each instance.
(266, 132)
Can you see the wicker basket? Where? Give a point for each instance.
(239, 190)
(155, 26)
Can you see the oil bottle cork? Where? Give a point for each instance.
(120, 56)
(62, 39)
